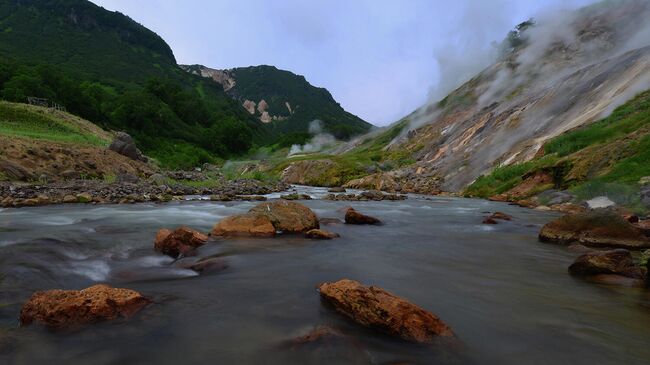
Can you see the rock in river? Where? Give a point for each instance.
(321, 234)
(244, 225)
(265, 219)
(354, 217)
(181, 241)
(615, 262)
(72, 308)
(596, 228)
(286, 216)
(376, 308)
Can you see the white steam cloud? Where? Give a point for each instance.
(319, 140)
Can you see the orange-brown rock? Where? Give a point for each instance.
(615, 262)
(489, 220)
(596, 228)
(321, 234)
(378, 309)
(181, 241)
(244, 225)
(73, 308)
(287, 216)
(501, 215)
(354, 217)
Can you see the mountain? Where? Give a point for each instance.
(284, 101)
(109, 69)
(553, 83)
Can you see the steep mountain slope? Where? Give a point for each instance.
(608, 158)
(105, 67)
(83, 37)
(556, 75)
(286, 102)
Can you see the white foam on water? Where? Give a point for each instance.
(153, 261)
(94, 270)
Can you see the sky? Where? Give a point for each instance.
(380, 59)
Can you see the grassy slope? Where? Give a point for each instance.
(608, 157)
(33, 122)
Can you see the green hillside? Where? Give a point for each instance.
(609, 157)
(308, 102)
(292, 101)
(107, 68)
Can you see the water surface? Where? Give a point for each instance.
(508, 297)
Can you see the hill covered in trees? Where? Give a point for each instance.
(287, 103)
(107, 68)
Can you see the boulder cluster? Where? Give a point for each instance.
(609, 243)
(369, 306)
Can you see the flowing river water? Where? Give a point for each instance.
(508, 297)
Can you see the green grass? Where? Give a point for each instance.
(37, 123)
(505, 178)
(623, 121)
(626, 131)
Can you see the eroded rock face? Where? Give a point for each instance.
(287, 216)
(244, 225)
(616, 262)
(125, 146)
(597, 228)
(354, 217)
(181, 241)
(320, 234)
(378, 309)
(72, 308)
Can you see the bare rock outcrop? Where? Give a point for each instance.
(125, 146)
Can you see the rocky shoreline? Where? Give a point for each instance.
(14, 195)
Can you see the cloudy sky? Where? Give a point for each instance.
(381, 59)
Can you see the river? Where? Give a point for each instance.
(508, 297)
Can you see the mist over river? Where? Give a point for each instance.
(507, 297)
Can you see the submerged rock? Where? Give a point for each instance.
(354, 217)
(71, 308)
(617, 262)
(321, 234)
(492, 219)
(597, 228)
(181, 241)
(295, 196)
(378, 309)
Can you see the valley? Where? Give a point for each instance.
(159, 211)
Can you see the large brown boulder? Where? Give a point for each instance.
(616, 262)
(596, 228)
(244, 225)
(376, 308)
(286, 216)
(125, 146)
(354, 217)
(72, 308)
(181, 241)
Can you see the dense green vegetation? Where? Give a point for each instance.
(608, 157)
(307, 102)
(108, 69)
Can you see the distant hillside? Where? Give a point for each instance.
(107, 68)
(284, 101)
